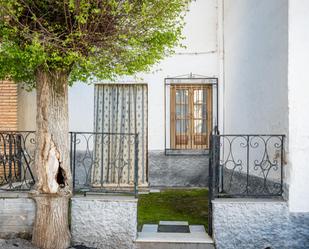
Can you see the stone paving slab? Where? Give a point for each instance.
(201, 238)
(154, 190)
(174, 223)
(197, 229)
(150, 228)
(173, 229)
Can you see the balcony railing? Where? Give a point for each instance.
(246, 165)
(100, 162)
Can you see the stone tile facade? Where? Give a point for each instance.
(108, 222)
(16, 216)
(97, 221)
(177, 170)
(258, 224)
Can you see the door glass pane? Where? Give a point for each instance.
(182, 126)
(190, 117)
(199, 126)
(200, 96)
(182, 96)
(200, 111)
(181, 111)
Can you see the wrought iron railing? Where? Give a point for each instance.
(100, 162)
(17, 160)
(246, 165)
(105, 162)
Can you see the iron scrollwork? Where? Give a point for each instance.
(248, 165)
(104, 162)
(17, 153)
(100, 162)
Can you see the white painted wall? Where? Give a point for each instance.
(298, 105)
(255, 85)
(81, 107)
(266, 80)
(81, 97)
(26, 110)
(200, 33)
(201, 36)
(255, 72)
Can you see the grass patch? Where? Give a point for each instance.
(174, 205)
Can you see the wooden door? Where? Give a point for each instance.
(191, 116)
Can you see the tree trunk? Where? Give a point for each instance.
(54, 182)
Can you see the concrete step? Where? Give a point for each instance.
(149, 238)
(173, 246)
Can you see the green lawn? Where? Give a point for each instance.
(174, 205)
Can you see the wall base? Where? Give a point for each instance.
(177, 170)
(257, 224)
(108, 222)
(17, 214)
(99, 221)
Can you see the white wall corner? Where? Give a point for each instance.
(298, 91)
(220, 54)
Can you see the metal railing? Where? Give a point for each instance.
(104, 162)
(17, 151)
(100, 162)
(246, 165)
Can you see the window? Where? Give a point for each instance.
(190, 116)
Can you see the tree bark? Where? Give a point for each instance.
(54, 182)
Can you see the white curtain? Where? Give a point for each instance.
(120, 109)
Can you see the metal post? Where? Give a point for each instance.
(19, 158)
(136, 166)
(74, 155)
(10, 157)
(71, 151)
(216, 164)
(281, 164)
(248, 163)
(210, 185)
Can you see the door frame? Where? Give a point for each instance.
(190, 118)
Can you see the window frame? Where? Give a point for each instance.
(193, 80)
(190, 135)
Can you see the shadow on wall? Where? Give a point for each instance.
(177, 171)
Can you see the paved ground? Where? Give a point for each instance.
(25, 244)
(15, 243)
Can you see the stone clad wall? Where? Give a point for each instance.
(16, 216)
(257, 224)
(177, 170)
(104, 222)
(98, 221)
